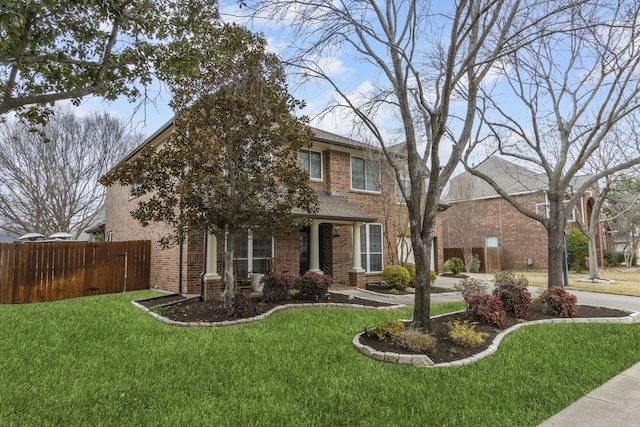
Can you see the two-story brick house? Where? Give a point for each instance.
(360, 223)
(520, 240)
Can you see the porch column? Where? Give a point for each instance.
(212, 258)
(314, 248)
(356, 260)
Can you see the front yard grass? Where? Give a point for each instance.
(627, 280)
(101, 361)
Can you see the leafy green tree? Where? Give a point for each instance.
(231, 165)
(577, 249)
(56, 50)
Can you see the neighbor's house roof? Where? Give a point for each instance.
(513, 178)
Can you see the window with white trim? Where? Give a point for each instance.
(311, 161)
(371, 247)
(251, 254)
(108, 237)
(491, 241)
(365, 174)
(404, 184)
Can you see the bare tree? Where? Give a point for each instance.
(49, 178)
(430, 61)
(555, 102)
(463, 215)
(622, 208)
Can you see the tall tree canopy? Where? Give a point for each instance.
(555, 102)
(53, 186)
(55, 50)
(231, 165)
(430, 60)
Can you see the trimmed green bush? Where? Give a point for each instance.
(577, 250)
(558, 302)
(433, 276)
(455, 265)
(396, 276)
(411, 268)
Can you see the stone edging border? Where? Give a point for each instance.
(422, 360)
(266, 314)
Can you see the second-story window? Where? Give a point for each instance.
(311, 161)
(405, 183)
(365, 174)
(134, 190)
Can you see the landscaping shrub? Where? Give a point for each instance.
(515, 298)
(486, 308)
(455, 265)
(411, 268)
(577, 250)
(242, 305)
(474, 264)
(396, 276)
(414, 340)
(276, 286)
(313, 285)
(447, 267)
(612, 258)
(558, 302)
(385, 330)
(433, 276)
(470, 286)
(465, 334)
(509, 276)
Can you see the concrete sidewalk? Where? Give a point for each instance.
(614, 404)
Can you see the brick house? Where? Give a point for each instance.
(361, 223)
(496, 226)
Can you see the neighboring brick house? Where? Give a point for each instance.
(357, 196)
(520, 241)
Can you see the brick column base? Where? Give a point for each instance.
(356, 278)
(213, 290)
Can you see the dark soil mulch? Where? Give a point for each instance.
(445, 350)
(178, 308)
(387, 291)
(194, 310)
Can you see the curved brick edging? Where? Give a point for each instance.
(423, 360)
(268, 313)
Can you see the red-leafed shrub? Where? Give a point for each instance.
(313, 285)
(242, 305)
(515, 298)
(276, 286)
(558, 302)
(486, 308)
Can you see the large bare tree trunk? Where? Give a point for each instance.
(594, 272)
(555, 233)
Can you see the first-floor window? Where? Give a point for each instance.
(108, 237)
(251, 254)
(371, 247)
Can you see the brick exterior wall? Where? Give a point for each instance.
(336, 237)
(519, 236)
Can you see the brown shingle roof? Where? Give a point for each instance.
(335, 207)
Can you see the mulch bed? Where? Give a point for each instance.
(194, 310)
(409, 291)
(178, 308)
(445, 350)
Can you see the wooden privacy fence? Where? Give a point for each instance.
(49, 271)
(490, 258)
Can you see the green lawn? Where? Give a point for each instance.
(100, 361)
